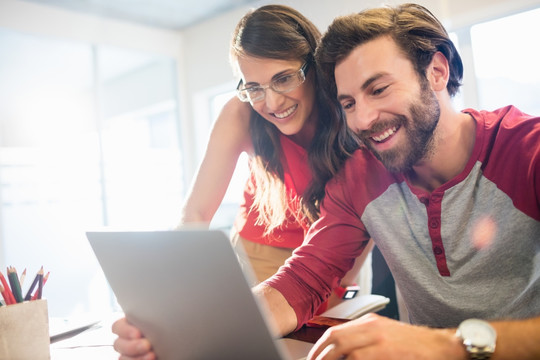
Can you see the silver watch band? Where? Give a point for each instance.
(479, 353)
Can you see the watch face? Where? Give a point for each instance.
(477, 332)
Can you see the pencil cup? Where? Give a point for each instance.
(24, 331)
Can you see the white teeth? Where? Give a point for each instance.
(286, 113)
(385, 135)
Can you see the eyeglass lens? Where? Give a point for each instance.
(281, 85)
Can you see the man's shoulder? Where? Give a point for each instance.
(363, 160)
(506, 126)
(508, 149)
(364, 172)
(505, 116)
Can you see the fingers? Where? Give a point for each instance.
(330, 346)
(130, 342)
(341, 341)
(326, 352)
(149, 356)
(134, 349)
(124, 329)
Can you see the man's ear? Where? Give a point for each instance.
(438, 72)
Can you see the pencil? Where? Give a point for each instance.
(23, 276)
(15, 284)
(29, 292)
(4, 295)
(39, 290)
(45, 278)
(8, 296)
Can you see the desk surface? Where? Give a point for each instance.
(92, 343)
(96, 342)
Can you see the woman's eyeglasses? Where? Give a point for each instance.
(281, 85)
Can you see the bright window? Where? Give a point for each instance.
(506, 53)
(88, 137)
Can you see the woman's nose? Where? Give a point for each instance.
(273, 100)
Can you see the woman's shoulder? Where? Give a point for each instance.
(232, 125)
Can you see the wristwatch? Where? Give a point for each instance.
(347, 292)
(478, 337)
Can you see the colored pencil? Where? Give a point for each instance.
(23, 276)
(39, 290)
(8, 296)
(15, 284)
(45, 278)
(4, 295)
(34, 283)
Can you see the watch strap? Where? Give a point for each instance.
(479, 353)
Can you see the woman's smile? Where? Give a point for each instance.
(286, 113)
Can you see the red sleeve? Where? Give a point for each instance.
(332, 244)
(511, 155)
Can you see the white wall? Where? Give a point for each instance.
(53, 21)
(36, 19)
(206, 44)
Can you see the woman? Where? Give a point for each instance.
(272, 49)
(287, 127)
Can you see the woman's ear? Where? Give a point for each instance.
(438, 72)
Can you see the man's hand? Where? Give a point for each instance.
(377, 337)
(130, 342)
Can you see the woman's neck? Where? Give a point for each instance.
(307, 133)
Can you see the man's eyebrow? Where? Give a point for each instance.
(365, 85)
(372, 79)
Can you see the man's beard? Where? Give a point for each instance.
(419, 129)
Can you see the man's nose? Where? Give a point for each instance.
(362, 117)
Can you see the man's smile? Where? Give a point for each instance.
(385, 134)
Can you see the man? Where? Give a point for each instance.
(450, 198)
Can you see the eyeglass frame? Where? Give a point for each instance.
(302, 73)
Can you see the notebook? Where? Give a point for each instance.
(188, 294)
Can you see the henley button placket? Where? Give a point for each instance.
(433, 207)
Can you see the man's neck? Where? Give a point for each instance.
(453, 144)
